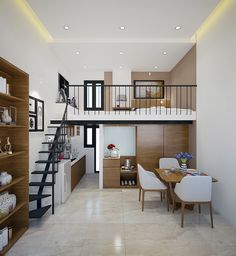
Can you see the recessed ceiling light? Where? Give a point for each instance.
(120, 66)
(177, 27)
(121, 53)
(155, 67)
(122, 27)
(77, 52)
(164, 53)
(66, 27)
(85, 66)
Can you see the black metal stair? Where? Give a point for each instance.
(35, 197)
(46, 142)
(47, 161)
(50, 168)
(53, 134)
(49, 151)
(44, 172)
(40, 184)
(38, 213)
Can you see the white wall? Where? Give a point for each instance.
(124, 138)
(22, 45)
(121, 77)
(216, 133)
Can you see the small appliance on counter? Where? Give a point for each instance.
(127, 165)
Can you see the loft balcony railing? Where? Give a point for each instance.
(133, 99)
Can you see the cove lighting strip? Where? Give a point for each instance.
(212, 19)
(28, 11)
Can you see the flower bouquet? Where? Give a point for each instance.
(114, 151)
(183, 157)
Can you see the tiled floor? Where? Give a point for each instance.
(110, 222)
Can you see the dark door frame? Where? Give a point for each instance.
(94, 85)
(94, 139)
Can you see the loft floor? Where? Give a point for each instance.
(110, 222)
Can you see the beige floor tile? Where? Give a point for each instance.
(110, 222)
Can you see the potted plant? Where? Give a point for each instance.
(184, 157)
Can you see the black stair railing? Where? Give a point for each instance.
(54, 149)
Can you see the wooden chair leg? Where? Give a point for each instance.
(167, 201)
(210, 207)
(143, 192)
(199, 208)
(161, 196)
(173, 201)
(182, 214)
(139, 194)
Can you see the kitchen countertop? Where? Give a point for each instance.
(80, 156)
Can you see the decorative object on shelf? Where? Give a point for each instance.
(5, 178)
(6, 118)
(13, 114)
(10, 230)
(114, 151)
(7, 203)
(36, 114)
(183, 157)
(8, 146)
(4, 232)
(3, 85)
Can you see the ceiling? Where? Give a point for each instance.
(95, 31)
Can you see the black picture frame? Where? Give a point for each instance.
(36, 114)
(148, 89)
(40, 115)
(32, 105)
(32, 123)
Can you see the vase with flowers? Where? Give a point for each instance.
(184, 157)
(114, 151)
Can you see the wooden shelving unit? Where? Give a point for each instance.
(17, 163)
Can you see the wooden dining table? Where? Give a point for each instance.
(170, 178)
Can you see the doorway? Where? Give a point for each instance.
(94, 95)
(92, 140)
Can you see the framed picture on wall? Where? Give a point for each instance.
(32, 123)
(40, 115)
(32, 105)
(36, 114)
(148, 89)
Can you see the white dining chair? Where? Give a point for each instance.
(168, 162)
(193, 190)
(149, 182)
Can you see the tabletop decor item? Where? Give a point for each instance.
(5, 178)
(6, 118)
(114, 151)
(183, 157)
(8, 147)
(7, 203)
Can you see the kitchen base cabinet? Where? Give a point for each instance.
(77, 172)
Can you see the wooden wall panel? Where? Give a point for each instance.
(175, 139)
(149, 145)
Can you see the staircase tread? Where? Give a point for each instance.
(41, 183)
(53, 134)
(49, 151)
(46, 161)
(43, 172)
(38, 213)
(53, 142)
(33, 197)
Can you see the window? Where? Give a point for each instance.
(93, 95)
